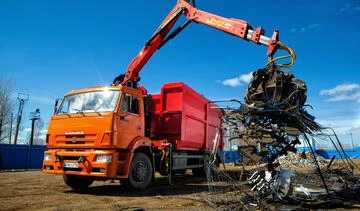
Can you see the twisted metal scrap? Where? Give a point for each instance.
(273, 117)
(268, 134)
(268, 124)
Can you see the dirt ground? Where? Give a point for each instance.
(34, 190)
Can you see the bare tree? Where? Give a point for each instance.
(6, 108)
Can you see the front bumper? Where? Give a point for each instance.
(85, 163)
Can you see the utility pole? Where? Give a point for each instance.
(1, 122)
(1, 117)
(10, 131)
(33, 116)
(22, 99)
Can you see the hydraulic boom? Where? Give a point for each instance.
(187, 8)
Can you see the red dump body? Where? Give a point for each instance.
(184, 118)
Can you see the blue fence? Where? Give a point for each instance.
(21, 156)
(31, 157)
(328, 154)
(234, 157)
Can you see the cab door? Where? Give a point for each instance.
(129, 121)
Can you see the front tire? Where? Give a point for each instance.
(140, 173)
(77, 182)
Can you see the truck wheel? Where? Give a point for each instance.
(141, 172)
(198, 172)
(180, 171)
(77, 182)
(201, 172)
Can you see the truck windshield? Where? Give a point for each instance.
(96, 101)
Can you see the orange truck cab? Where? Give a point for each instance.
(119, 132)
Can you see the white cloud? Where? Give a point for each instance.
(340, 89)
(238, 81)
(246, 77)
(349, 7)
(355, 130)
(26, 130)
(305, 28)
(345, 8)
(343, 92)
(343, 120)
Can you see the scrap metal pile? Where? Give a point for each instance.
(269, 125)
(272, 117)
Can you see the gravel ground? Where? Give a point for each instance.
(34, 190)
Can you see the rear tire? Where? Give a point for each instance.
(77, 182)
(180, 171)
(198, 172)
(140, 173)
(203, 171)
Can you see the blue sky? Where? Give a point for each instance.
(49, 48)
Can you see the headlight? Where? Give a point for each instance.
(103, 158)
(47, 157)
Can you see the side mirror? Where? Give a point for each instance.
(56, 105)
(123, 117)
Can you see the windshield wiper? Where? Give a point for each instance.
(98, 113)
(64, 113)
(78, 111)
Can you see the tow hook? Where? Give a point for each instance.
(57, 158)
(82, 159)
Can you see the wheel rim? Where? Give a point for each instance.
(140, 172)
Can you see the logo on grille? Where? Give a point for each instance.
(74, 140)
(75, 133)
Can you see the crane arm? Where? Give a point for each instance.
(187, 8)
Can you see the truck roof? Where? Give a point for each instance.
(95, 88)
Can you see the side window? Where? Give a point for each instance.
(130, 104)
(124, 103)
(134, 105)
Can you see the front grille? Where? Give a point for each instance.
(76, 136)
(86, 139)
(77, 142)
(71, 158)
